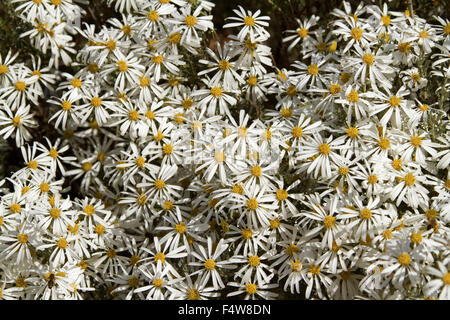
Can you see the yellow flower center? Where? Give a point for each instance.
(150, 115)
(384, 143)
(159, 136)
(175, 37)
(151, 43)
(372, 179)
(447, 29)
(160, 257)
(187, 103)
(16, 121)
(55, 213)
(416, 141)
(329, 222)
(252, 204)
(446, 279)
(62, 243)
(404, 259)
(190, 21)
(365, 214)
(99, 229)
(158, 59)
(415, 77)
(256, 171)
(140, 161)
(133, 282)
(180, 228)
(33, 164)
(335, 88)
(141, 199)
(152, 15)
(353, 96)
(343, 171)
(251, 288)
(409, 179)
(286, 112)
(368, 59)
(313, 69)
(314, 269)
(133, 115)
(302, 32)
(253, 261)
(21, 283)
(86, 166)
(73, 229)
(404, 47)
(324, 148)
(89, 209)
(423, 34)
(159, 184)
(344, 77)
(291, 249)
(167, 149)
(134, 259)
(297, 132)
(431, 214)
(193, 294)
(96, 102)
(25, 189)
(3, 69)
(126, 30)
(93, 67)
(252, 80)
(158, 283)
(386, 20)
(249, 21)
(216, 92)
(238, 189)
(209, 264)
(66, 105)
(144, 81)
(21, 86)
(387, 234)
(15, 208)
(246, 233)
(274, 224)
(291, 91)
(281, 76)
(224, 65)
(281, 194)
(416, 238)
(22, 238)
(168, 205)
(173, 82)
(357, 33)
(394, 101)
(37, 73)
(110, 45)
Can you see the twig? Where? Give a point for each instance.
(410, 7)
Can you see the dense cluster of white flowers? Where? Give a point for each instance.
(325, 180)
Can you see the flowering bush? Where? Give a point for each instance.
(162, 163)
